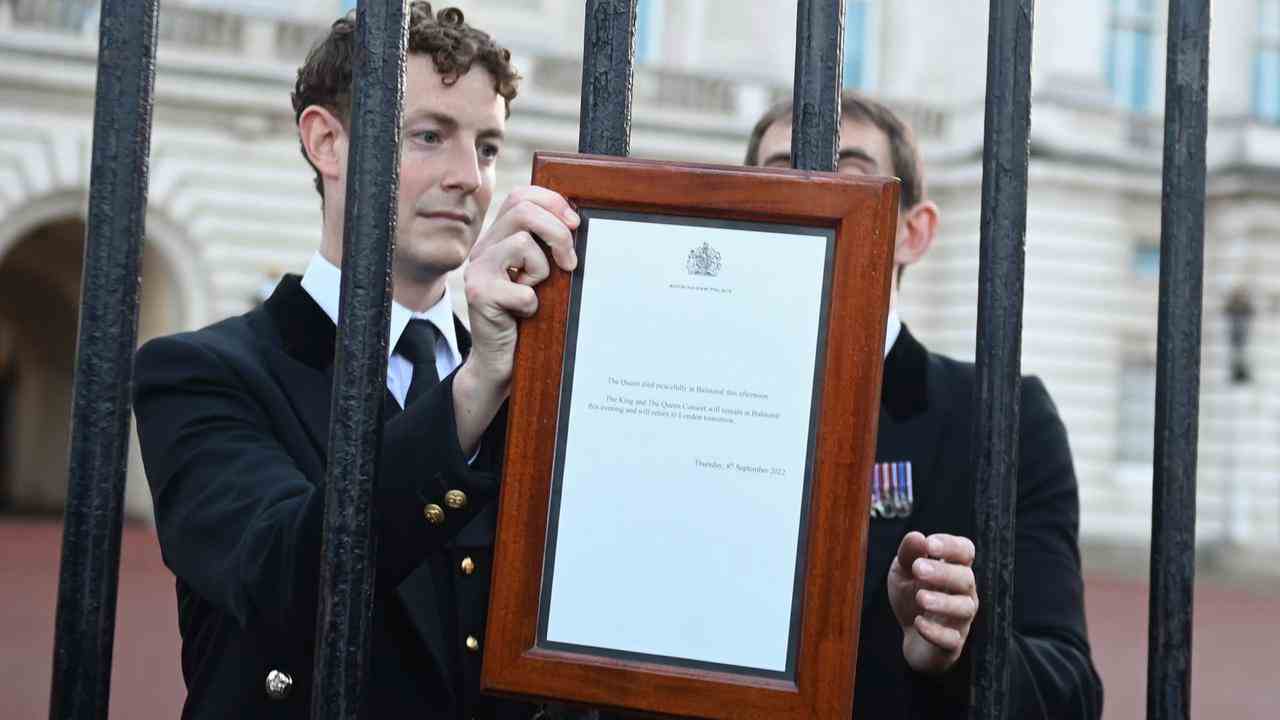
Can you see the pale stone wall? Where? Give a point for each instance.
(232, 204)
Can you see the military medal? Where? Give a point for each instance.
(892, 493)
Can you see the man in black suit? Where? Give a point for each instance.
(233, 419)
(920, 600)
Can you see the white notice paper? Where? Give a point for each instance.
(688, 432)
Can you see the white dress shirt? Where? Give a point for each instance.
(323, 282)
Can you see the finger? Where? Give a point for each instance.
(912, 547)
(897, 571)
(947, 639)
(494, 294)
(901, 589)
(521, 253)
(489, 279)
(552, 201)
(506, 220)
(543, 224)
(552, 230)
(944, 577)
(514, 298)
(952, 548)
(952, 609)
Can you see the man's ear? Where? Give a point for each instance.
(919, 226)
(325, 141)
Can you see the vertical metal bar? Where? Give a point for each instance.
(608, 76)
(360, 369)
(86, 613)
(608, 65)
(999, 340)
(1178, 362)
(815, 118)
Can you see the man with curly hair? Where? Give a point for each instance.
(234, 418)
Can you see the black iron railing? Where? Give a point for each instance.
(360, 363)
(109, 312)
(1173, 521)
(815, 122)
(86, 615)
(608, 69)
(1002, 254)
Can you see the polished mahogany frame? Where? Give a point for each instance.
(863, 213)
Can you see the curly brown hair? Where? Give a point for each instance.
(453, 45)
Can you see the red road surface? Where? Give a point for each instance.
(1236, 635)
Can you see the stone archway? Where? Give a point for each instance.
(39, 309)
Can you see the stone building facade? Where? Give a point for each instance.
(231, 205)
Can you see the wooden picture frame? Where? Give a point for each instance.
(857, 216)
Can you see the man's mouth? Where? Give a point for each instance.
(456, 215)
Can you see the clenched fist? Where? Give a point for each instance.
(934, 596)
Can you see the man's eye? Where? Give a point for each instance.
(431, 137)
(489, 151)
(855, 168)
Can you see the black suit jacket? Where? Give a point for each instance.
(233, 422)
(927, 407)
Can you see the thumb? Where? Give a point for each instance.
(914, 546)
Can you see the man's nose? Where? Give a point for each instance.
(462, 169)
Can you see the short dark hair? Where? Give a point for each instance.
(856, 106)
(453, 45)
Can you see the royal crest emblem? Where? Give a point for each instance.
(704, 260)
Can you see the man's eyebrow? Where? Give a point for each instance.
(856, 153)
(445, 121)
(492, 133)
(777, 158)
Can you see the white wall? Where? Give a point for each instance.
(228, 185)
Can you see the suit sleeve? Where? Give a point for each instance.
(237, 518)
(1051, 669)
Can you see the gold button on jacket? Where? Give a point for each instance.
(472, 643)
(455, 499)
(468, 566)
(433, 513)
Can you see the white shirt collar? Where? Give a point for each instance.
(892, 330)
(323, 282)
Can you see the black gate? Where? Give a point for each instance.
(85, 622)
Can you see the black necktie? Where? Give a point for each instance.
(418, 345)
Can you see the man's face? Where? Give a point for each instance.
(449, 150)
(864, 150)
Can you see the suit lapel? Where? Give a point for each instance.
(912, 417)
(303, 362)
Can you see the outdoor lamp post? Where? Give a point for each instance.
(1240, 311)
